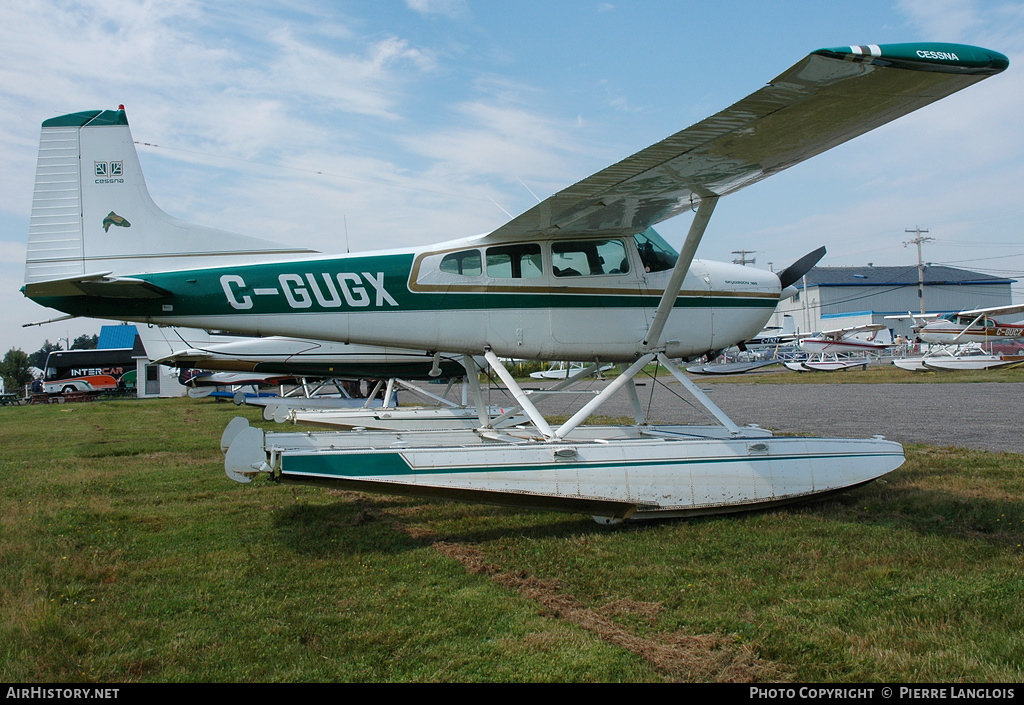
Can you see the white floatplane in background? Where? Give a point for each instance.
(842, 348)
(955, 340)
(773, 338)
(325, 378)
(196, 349)
(580, 276)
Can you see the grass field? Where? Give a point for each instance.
(126, 555)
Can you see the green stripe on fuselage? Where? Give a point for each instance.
(350, 285)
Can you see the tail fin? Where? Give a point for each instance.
(161, 343)
(788, 325)
(92, 214)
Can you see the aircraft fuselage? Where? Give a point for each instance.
(519, 300)
(946, 332)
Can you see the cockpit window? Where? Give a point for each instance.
(656, 254)
(465, 263)
(586, 257)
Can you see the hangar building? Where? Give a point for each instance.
(836, 297)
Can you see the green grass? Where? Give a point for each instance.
(126, 555)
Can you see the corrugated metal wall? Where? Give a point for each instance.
(808, 309)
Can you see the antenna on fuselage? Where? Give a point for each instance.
(510, 216)
(528, 189)
(344, 219)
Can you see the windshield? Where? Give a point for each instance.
(656, 254)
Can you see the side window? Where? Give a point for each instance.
(514, 261)
(465, 263)
(587, 257)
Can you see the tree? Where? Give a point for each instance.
(14, 370)
(38, 358)
(85, 342)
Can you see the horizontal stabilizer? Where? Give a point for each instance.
(190, 356)
(100, 285)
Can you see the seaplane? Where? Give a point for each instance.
(772, 338)
(582, 275)
(278, 355)
(842, 348)
(957, 339)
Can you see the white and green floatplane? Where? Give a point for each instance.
(580, 276)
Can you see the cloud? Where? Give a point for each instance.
(448, 8)
(296, 122)
(945, 20)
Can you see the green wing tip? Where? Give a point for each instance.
(927, 56)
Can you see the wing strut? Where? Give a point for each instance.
(520, 396)
(701, 397)
(675, 282)
(975, 321)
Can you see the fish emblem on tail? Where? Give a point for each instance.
(114, 219)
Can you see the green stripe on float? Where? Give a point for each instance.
(388, 464)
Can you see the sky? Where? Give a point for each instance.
(351, 125)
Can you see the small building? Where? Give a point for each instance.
(150, 379)
(836, 297)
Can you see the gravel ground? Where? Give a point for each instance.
(985, 416)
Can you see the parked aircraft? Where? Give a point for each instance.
(830, 350)
(767, 348)
(580, 276)
(873, 337)
(972, 326)
(276, 355)
(959, 337)
(772, 338)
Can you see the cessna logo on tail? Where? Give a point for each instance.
(301, 290)
(108, 172)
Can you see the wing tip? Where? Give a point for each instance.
(924, 56)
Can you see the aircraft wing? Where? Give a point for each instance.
(827, 98)
(911, 316)
(841, 332)
(994, 311)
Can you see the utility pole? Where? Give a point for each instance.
(920, 265)
(742, 259)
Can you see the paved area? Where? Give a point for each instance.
(986, 416)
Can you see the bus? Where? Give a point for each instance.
(77, 371)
